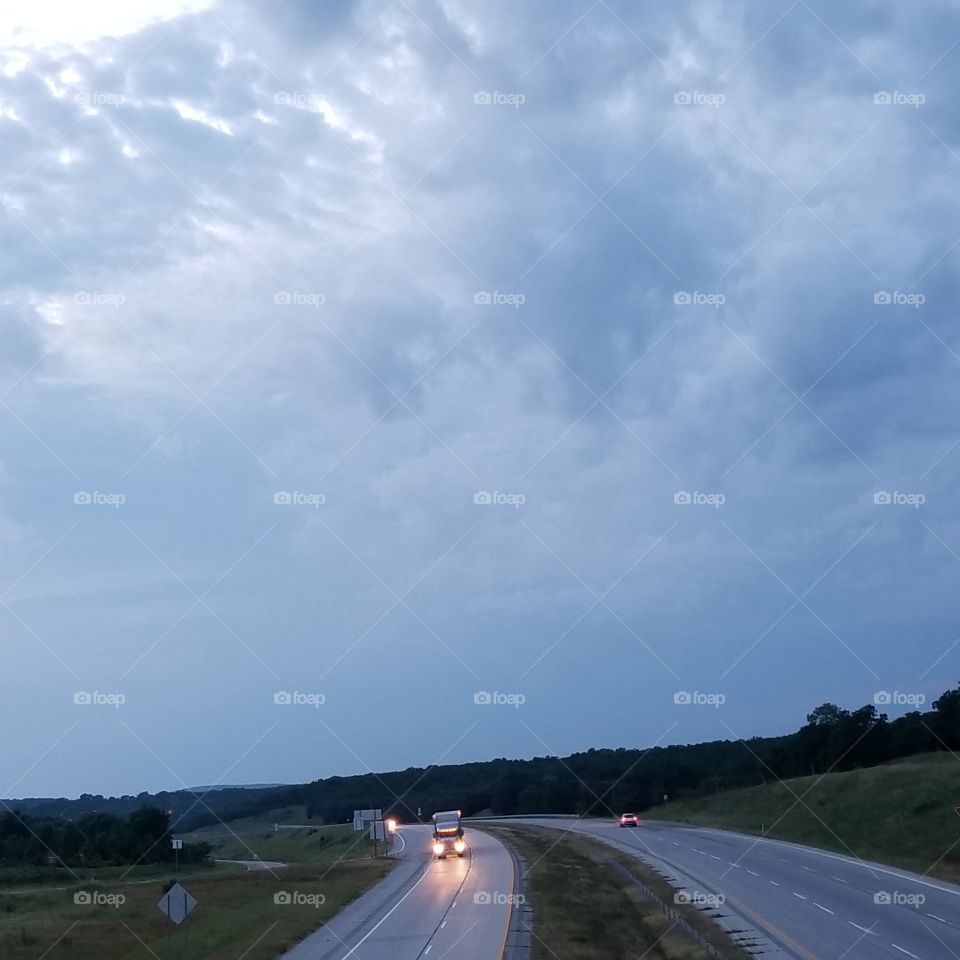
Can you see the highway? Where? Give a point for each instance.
(809, 904)
(448, 908)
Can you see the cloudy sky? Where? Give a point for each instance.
(364, 360)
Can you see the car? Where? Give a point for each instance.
(629, 820)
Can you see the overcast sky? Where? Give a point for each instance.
(386, 357)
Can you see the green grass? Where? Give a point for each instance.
(900, 813)
(237, 914)
(583, 909)
(318, 844)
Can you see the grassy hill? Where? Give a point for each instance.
(900, 813)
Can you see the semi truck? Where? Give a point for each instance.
(448, 835)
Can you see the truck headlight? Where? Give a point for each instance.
(460, 846)
(438, 849)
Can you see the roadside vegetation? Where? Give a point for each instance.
(901, 813)
(584, 910)
(113, 915)
(289, 844)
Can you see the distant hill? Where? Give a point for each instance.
(236, 786)
(596, 782)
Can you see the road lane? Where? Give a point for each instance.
(812, 904)
(454, 907)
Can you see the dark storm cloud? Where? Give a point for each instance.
(699, 236)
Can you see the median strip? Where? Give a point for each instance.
(590, 902)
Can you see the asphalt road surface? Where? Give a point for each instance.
(810, 904)
(425, 908)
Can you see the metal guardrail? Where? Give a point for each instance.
(669, 910)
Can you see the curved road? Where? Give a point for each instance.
(424, 908)
(809, 904)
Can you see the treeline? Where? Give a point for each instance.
(596, 782)
(94, 839)
(604, 782)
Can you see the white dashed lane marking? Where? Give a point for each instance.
(840, 880)
(823, 908)
(933, 916)
(907, 952)
(800, 896)
(864, 929)
(753, 873)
